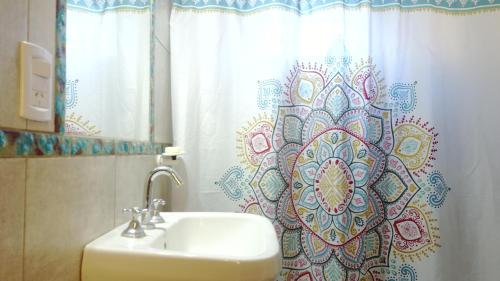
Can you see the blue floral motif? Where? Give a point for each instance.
(437, 197)
(123, 147)
(3, 140)
(405, 96)
(24, 143)
(342, 63)
(269, 93)
(79, 146)
(231, 183)
(407, 273)
(45, 143)
(64, 145)
(108, 148)
(71, 93)
(96, 148)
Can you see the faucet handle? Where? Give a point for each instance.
(135, 211)
(146, 215)
(158, 202)
(134, 229)
(155, 216)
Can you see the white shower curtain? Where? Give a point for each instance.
(367, 132)
(108, 68)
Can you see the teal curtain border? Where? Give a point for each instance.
(308, 6)
(99, 6)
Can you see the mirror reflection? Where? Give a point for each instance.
(108, 68)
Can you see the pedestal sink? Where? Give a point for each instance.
(188, 247)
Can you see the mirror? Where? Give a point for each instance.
(108, 68)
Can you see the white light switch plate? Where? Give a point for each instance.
(36, 72)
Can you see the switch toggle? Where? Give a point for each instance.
(41, 68)
(36, 82)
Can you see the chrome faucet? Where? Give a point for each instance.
(152, 214)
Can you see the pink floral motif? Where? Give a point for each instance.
(326, 174)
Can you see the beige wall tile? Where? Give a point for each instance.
(13, 29)
(131, 173)
(162, 102)
(12, 188)
(69, 202)
(42, 31)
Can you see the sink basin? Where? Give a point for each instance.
(188, 247)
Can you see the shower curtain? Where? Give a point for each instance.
(108, 68)
(365, 131)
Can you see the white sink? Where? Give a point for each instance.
(188, 247)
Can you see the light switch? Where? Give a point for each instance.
(41, 68)
(36, 82)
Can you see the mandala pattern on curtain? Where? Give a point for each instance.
(344, 171)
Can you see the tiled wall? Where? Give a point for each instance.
(51, 207)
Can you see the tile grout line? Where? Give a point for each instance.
(28, 21)
(25, 203)
(115, 164)
(23, 275)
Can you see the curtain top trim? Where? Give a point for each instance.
(106, 5)
(308, 6)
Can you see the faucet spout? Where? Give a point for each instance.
(156, 172)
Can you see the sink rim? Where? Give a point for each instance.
(113, 243)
